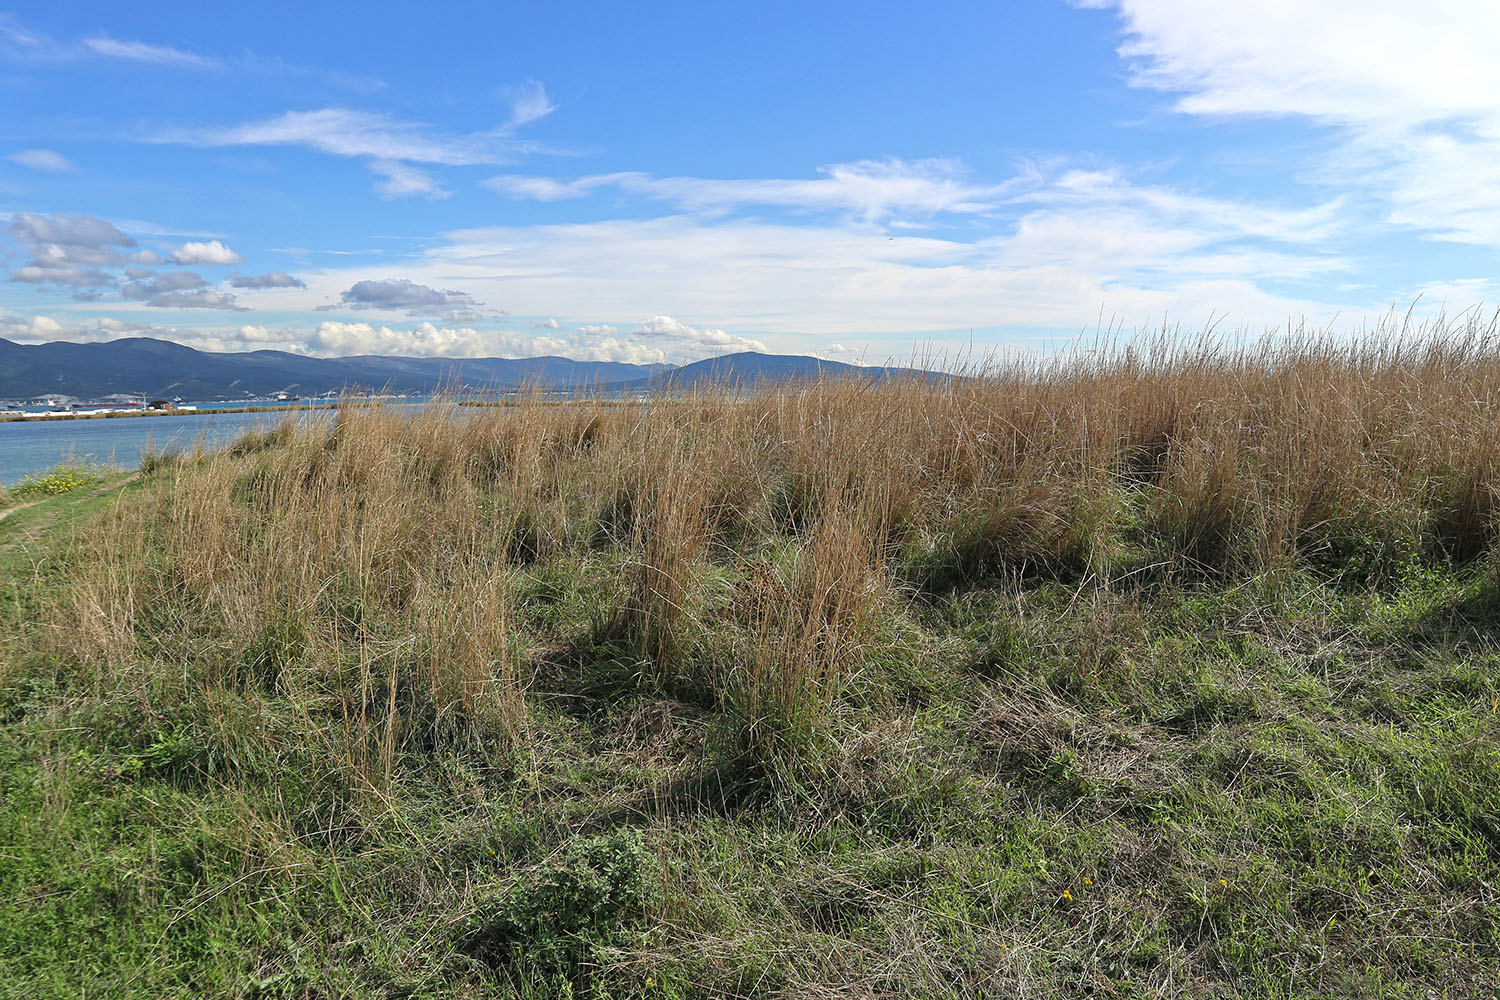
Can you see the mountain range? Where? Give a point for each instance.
(162, 369)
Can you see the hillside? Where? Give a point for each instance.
(1132, 677)
(150, 367)
(161, 368)
(749, 368)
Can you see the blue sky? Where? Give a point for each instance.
(673, 181)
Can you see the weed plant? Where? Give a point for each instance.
(65, 477)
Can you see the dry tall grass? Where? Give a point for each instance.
(370, 566)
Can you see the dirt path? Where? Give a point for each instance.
(40, 528)
(7, 512)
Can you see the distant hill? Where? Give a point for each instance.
(160, 368)
(748, 367)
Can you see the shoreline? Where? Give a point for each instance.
(169, 413)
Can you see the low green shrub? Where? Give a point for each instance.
(549, 931)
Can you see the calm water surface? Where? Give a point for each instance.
(28, 446)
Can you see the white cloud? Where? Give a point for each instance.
(402, 180)
(347, 132)
(692, 342)
(1410, 89)
(159, 55)
(1079, 245)
(210, 252)
(67, 249)
(274, 279)
(528, 103)
(204, 299)
(414, 299)
(42, 329)
(12, 32)
(42, 159)
(172, 281)
(546, 324)
(425, 340)
(1463, 293)
(549, 189)
(33, 274)
(37, 330)
(179, 290)
(389, 145)
(870, 189)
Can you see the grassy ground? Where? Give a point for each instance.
(807, 694)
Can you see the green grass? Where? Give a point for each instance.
(1195, 788)
(701, 700)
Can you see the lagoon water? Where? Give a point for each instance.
(29, 446)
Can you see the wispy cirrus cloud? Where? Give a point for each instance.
(1408, 91)
(1058, 247)
(402, 180)
(42, 159)
(870, 189)
(145, 52)
(528, 103)
(27, 44)
(350, 132)
(392, 148)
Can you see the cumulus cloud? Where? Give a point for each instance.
(172, 281)
(1409, 90)
(179, 290)
(38, 329)
(33, 274)
(195, 300)
(546, 324)
(42, 159)
(665, 329)
(652, 341)
(43, 329)
(275, 279)
(424, 340)
(209, 252)
(67, 249)
(405, 295)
